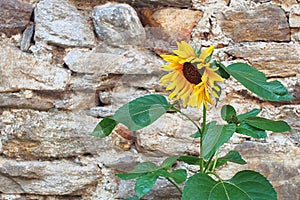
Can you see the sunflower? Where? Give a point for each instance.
(190, 76)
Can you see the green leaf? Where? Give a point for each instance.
(246, 129)
(132, 198)
(251, 113)
(267, 124)
(179, 175)
(140, 170)
(254, 184)
(245, 185)
(256, 82)
(144, 184)
(191, 160)
(216, 136)
(142, 111)
(195, 135)
(198, 187)
(169, 162)
(104, 127)
(228, 114)
(231, 156)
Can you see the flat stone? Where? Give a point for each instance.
(128, 62)
(59, 23)
(263, 23)
(274, 59)
(294, 16)
(46, 178)
(33, 135)
(15, 16)
(281, 168)
(137, 3)
(118, 24)
(21, 71)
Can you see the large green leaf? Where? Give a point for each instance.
(256, 82)
(245, 185)
(104, 127)
(179, 175)
(144, 184)
(251, 113)
(267, 124)
(215, 136)
(142, 111)
(246, 129)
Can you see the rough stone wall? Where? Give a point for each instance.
(65, 64)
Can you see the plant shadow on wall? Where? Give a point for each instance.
(193, 76)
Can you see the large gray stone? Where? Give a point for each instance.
(274, 59)
(118, 24)
(15, 16)
(58, 22)
(263, 23)
(20, 71)
(32, 135)
(46, 178)
(129, 62)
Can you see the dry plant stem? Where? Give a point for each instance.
(201, 139)
(175, 184)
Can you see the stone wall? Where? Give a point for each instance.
(65, 64)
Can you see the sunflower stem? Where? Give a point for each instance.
(173, 183)
(201, 139)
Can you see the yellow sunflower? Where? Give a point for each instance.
(190, 77)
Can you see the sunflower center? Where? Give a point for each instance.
(191, 73)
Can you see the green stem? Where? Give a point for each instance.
(201, 139)
(208, 163)
(175, 184)
(175, 109)
(214, 166)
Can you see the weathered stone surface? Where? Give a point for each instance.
(138, 3)
(129, 62)
(46, 178)
(263, 23)
(275, 59)
(26, 38)
(176, 23)
(118, 24)
(277, 159)
(210, 3)
(31, 135)
(19, 71)
(15, 15)
(58, 22)
(294, 17)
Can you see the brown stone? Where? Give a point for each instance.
(274, 59)
(263, 23)
(15, 15)
(137, 3)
